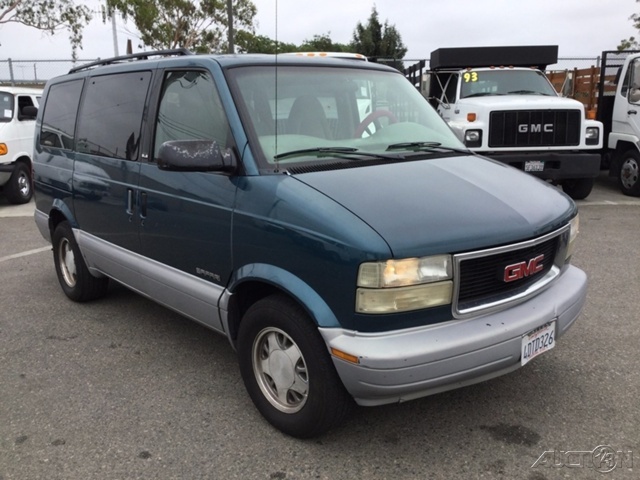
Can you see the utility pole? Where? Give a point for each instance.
(115, 35)
(230, 25)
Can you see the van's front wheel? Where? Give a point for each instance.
(18, 189)
(287, 371)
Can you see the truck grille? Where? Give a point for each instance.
(480, 276)
(534, 128)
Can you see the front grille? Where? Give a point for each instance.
(480, 276)
(534, 128)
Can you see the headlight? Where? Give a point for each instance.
(592, 135)
(403, 285)
(574, 228)
(473, 138)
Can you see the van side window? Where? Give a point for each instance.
(190, 109)
(111, 115)
(59, 119)
(6, 107)
(24, 101)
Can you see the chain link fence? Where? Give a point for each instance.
(34, 72)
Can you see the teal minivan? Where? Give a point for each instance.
(317, 212)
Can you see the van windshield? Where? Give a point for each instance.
(316, 113)
(6, 107)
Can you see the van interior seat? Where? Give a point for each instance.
(307, 117)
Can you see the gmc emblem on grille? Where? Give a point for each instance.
(535, 128)
(516, 271)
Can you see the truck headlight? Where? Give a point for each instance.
(402, 285)
(592, 135)
(473, 138)
(574, 228)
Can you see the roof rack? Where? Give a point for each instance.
(133, 56)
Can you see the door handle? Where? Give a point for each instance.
(143, 205)
(632, 112)
(130, 205)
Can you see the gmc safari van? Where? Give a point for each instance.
(348, 256)
(18, 109)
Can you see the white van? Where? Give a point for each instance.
(18, 109)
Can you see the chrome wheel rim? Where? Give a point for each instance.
(629, 173)
(280, 370)
(23, 185)
(67, 262)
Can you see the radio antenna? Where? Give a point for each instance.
(275, 113)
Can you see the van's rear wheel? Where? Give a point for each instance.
(18, 189)
(74, 277)
(578, 188)
(628, 174)
(287, 370)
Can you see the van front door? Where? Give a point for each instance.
(186, 216)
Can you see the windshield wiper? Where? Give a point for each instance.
(527, 92)
(337, 152)
(482, 94)
(422, 146)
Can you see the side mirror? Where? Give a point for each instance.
(28, 113)
(195, 156)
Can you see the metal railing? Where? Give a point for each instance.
(37, 72)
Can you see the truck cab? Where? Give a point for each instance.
(619, 111)
(500, 104)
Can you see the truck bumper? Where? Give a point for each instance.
(557, 165)
(407, 364)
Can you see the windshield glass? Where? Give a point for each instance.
(6, 107)
(475, 83)
(320, 113)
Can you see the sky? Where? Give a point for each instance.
(581, 28)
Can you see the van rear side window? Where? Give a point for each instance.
(111, 115)
(59, 119)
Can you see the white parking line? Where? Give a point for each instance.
(25, 254)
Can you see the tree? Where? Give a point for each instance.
(249, 43)
(323, 43)
(378, 41)
(49, 16)
(199, 25)
(631, 43)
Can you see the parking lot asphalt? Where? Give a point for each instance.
(122, 388)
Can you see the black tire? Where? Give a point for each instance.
(578, 188)
(74, 277)
(628, 173)
(310, 398)
(19, 188)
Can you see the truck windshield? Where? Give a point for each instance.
(315, 114)
(475, 83)
(6, 107)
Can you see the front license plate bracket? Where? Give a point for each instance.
(538, 341)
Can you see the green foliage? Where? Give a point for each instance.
(250, 43)
(628, 44)
(199, 25)
(378, 41)
(631, 43)
(323, 43)
(49, 16)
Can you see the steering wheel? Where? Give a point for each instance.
(373, 118)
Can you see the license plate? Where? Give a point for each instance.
(533, 166)
(538, 341)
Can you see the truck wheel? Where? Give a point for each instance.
(18, 189)
(74, 277)
(287, 370)
(578, 188)
(628, 174)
